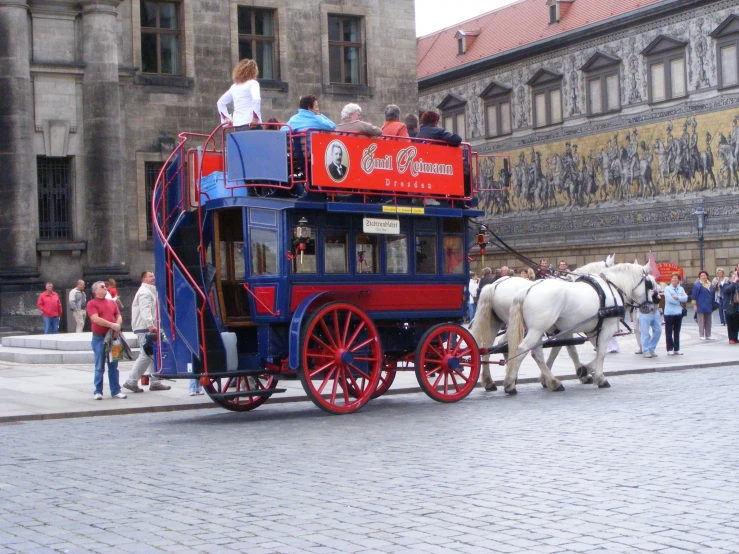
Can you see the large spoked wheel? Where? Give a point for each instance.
(387, 376)
(225, 385)
(447, 362)
(341, 358)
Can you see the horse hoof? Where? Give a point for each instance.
(589, 380)
(604, 385)
(491, 387)
(560, 388)
(512, 392)
(544, 385)
(582, 371)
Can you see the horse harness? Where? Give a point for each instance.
(611, 305)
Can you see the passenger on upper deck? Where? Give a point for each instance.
(429, 130)
(244, 94)
(411, 123)
(309, 116)
(351, 121)
(393, 127)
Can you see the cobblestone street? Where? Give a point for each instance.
(649, 465)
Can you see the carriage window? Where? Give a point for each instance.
(305, 260)
(453, 255)
(425, 254)
(335, 251)
(367, 254)
(396, 256)
(453, 226)
(263, 252)
(239, 269)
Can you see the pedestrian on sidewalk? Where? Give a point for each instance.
(703, 305)
(143, 321)
(51, 309)
(675, 295)
(472, 295)
(731, 307)
(77, 304)
(104, 314)
(649, 319)
(637, 329)
(719, 282)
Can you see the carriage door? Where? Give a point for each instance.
(230, 267)
(264, 262)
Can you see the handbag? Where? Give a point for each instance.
(714, 305)
(685, 309)
(116, 350)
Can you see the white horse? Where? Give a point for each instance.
(493, 308)
(557, 304)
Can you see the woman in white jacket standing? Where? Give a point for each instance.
(244, 95)
(674, 297)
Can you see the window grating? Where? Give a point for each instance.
(54, 197)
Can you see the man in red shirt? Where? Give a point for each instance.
(393, 126)
(104, 315)
(51, 309)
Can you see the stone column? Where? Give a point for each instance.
(103, 148)
(18, 191)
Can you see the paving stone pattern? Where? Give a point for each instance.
(649, 465)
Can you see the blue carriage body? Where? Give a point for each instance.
(250, 244)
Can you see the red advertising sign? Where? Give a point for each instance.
(666, 269)
(362, 163)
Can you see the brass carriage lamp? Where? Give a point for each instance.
(302, 232)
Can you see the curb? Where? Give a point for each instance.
(291, 399)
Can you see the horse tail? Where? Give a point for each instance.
(484, 315)
(516, 329)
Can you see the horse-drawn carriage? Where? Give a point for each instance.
(327, 257)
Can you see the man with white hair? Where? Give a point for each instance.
(77, 304)
(351, 122)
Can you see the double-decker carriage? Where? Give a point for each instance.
(328, 257)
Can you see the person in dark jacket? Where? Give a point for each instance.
(487, 279)
(731, 310)
(430, 130)
(703, 294)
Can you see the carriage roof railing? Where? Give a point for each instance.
(262, 161)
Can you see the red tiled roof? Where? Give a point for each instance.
(512, 26)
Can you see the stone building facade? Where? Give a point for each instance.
(95, 93)
(616, 130)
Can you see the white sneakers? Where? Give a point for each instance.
(198, 393)
(98, 396)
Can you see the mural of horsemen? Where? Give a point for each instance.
(661, 160)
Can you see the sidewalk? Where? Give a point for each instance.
(31, 392)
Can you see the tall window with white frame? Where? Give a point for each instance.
(54, 180)
(602, 74)
(257, 39)
(726, 36)
(546, 90)
(666, 74)
(497, 101)
(160, 37)
(346, 50)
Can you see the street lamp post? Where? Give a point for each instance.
(700, 223)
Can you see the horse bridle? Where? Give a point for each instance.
(627, 299)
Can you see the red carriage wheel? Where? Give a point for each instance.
(387, 376)
(341, 358)
(447, 362)
(225, 385)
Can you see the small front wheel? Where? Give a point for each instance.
(224, 385)
(447, 362)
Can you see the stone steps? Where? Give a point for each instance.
(68, 348)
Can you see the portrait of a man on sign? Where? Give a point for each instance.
(337, 161)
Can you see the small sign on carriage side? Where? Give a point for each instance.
(381, 226)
